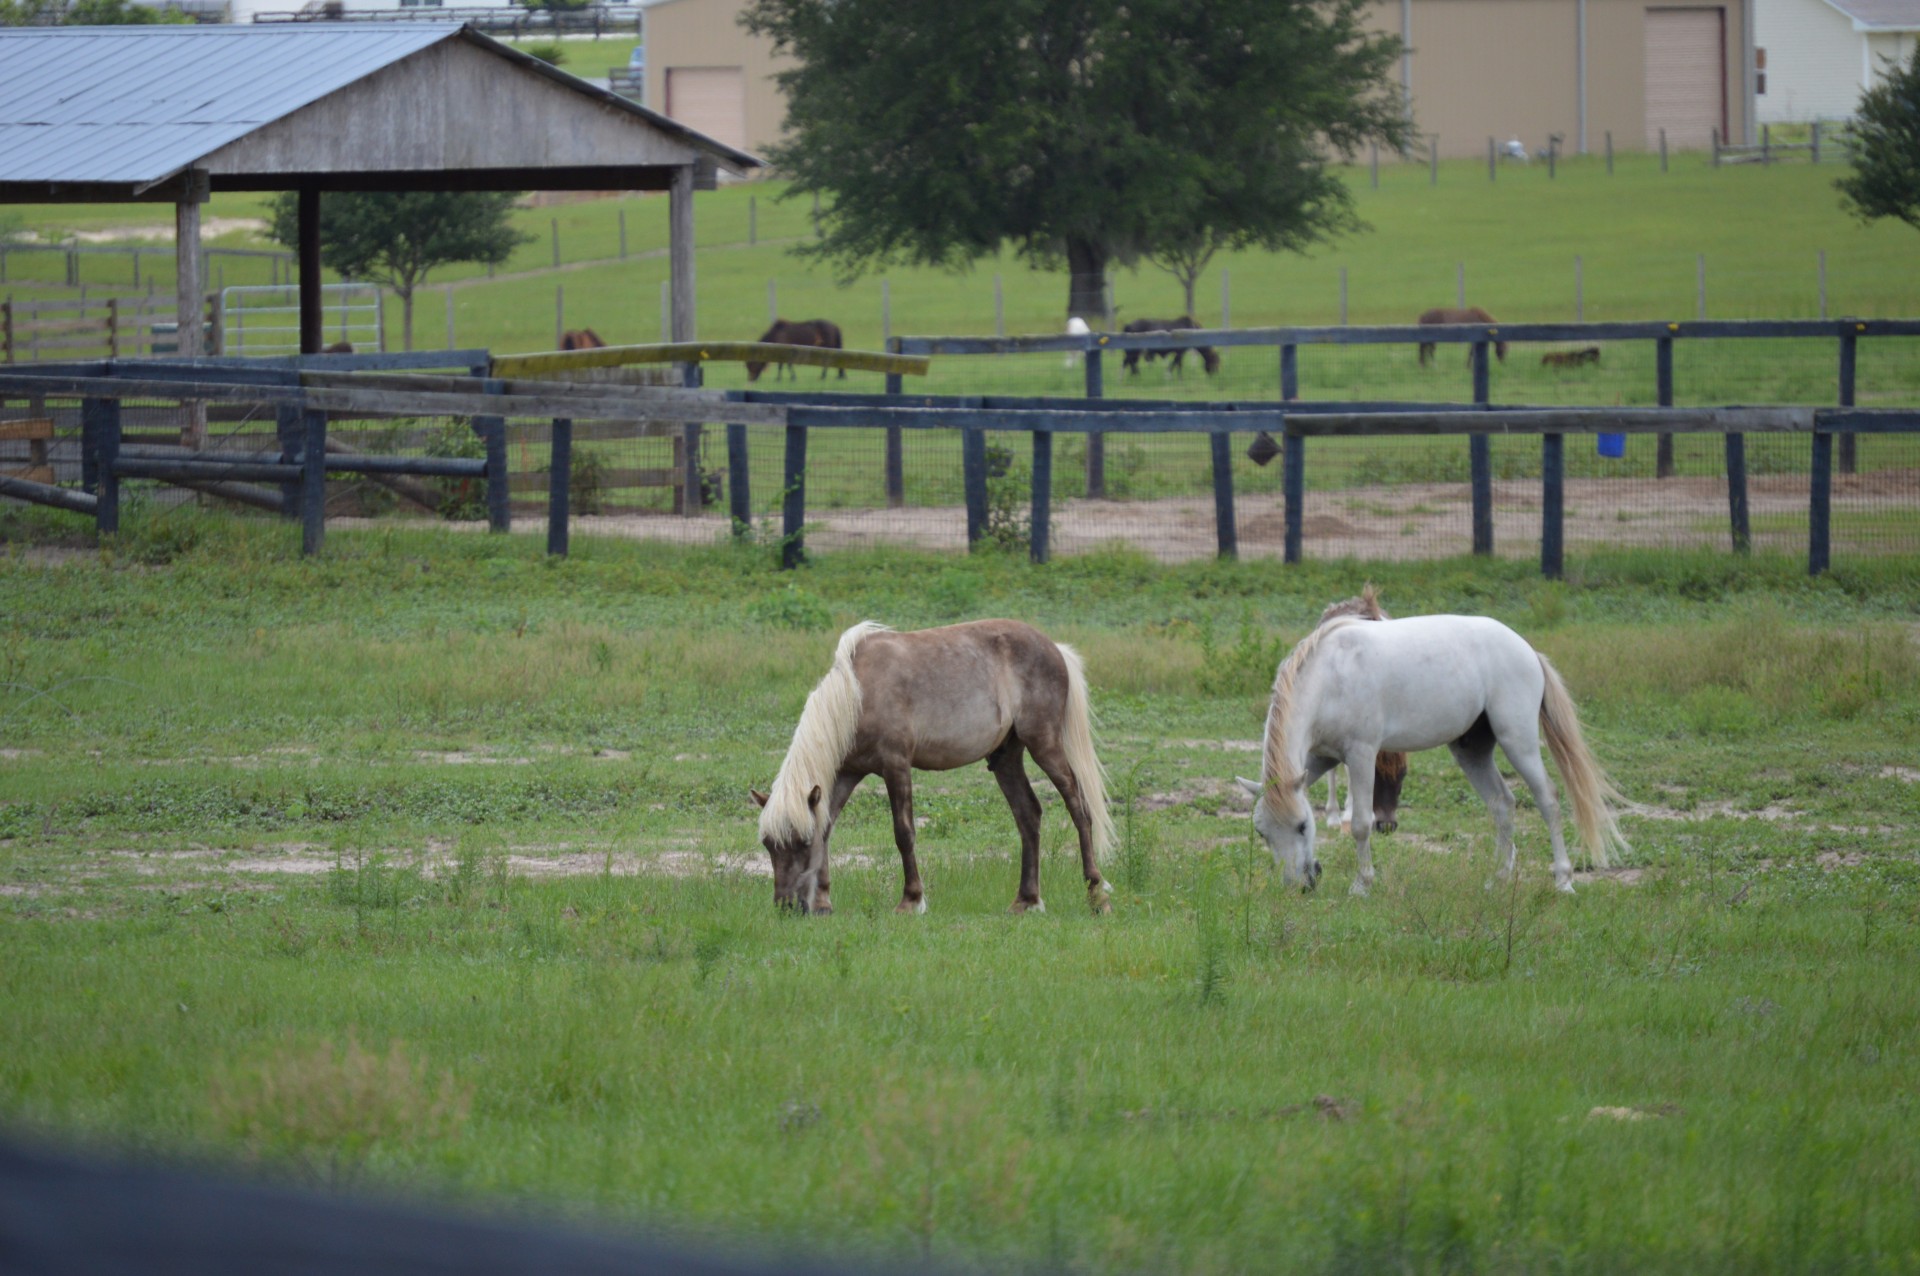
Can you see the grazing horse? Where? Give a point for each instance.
(581, 339)
(936, 699)
(1131, 361)
(1390, 768)
(1570, 358)
(339, 347)
(785, 332)
(1352, 688)
(1448, 314)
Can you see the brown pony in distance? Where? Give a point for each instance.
(1389, 769)
(934, 700)
(1131, 360)
(1449, 314)
(1570, 358)
(811, 332)
(581, 339)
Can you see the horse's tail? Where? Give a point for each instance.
(1588, 787)
(1076, 737)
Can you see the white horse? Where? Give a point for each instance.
(1352, 688)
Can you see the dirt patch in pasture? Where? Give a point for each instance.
(1621, 876)
(1770, 813)
(1905, 773)
(1382, 521)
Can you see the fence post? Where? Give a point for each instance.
(1579, 290)
(1040, 524)
(106, 450)
(999, 307)
(896, 467)
(1553, 155)
(1289, 373)
(1609, 152)
(1849, 335)
(1820, 505)
(1663, 150)
(288, 432)
(6, 330)
(313, 480)
(556, 243)
(493, 432)
(1343, 296)
(90, 444)
(973, 479)
(1816, 141)
(623, 234)
(1493, 166)
(1738, 524)
(1553, 487)
(666, 310)
(559, 480)
(1293, 486)
(113, 327)
(1225, 531)
(1480, 459)
(1823, 283)
(753, 220)
(1716, 146)
(559, 315)
(739, 489)
(1663, 394)
(1433, 162)
(1096, 443)
(1375, 164)
(793, 504)
(1766, 145)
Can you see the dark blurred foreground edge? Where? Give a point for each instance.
(62, 1215)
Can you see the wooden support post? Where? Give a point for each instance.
(1225, 532)
(1289, 373)
(1096, 443)
(973, 481)
(793, 501)
(312, 318)
(739, 491)
(690, 477)
(1040, 524)
(1293, 486)
(680, 255)
(896, 461)
(559, 479)
(1480, 459)
(313, 481)
(1663, 150)
(1738, 523)
(492, 431)
(1553, 495)
(290, 432)
(106, 450)
(1820, 506)
(1663, 392)
(1849, 456)
(90, 426)
(189, 305)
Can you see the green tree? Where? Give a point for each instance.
(1885, 181)
(396, 238)
(1092, 132)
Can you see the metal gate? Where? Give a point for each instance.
(266, 319)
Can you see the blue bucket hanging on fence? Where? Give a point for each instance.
(1611, 444)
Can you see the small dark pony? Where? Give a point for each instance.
(811, 332)
(581, 339)
(1208, 355)
(1570, 358)
(1389, 769)
(1449, 314)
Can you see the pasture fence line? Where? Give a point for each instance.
(74, 257)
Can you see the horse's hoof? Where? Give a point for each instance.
(1564, 886)
(1100, 899)
(915, 906)
(1361, 888)
(1022, 906)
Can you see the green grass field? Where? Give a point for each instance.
(424, 867)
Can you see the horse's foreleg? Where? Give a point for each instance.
(899, 782)
(819, 898)
(1534, 772)
(1008, 764)
(1359, 765)
(1475, 757)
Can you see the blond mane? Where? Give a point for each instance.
(821, 742)
(1277, 769)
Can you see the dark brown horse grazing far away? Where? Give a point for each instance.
(1131, 361)
(1450, 314)
(1389, 769)
(810, 332)
(934, 700)
(581, 339)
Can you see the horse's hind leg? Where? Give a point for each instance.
(1052, 758)
(1474, 753)
(1008, 764)
(899, 781)
(1524, 754)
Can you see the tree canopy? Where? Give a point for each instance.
(1087, 131)
(395, 238)
(1885, 181)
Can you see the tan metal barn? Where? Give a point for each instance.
(1476, 69)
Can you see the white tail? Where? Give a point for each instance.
(1588, 787)
(1076, 736)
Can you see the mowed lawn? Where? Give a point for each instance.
(428, 867)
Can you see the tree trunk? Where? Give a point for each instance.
(1087, 291)
(1190, 281)
(406, 318)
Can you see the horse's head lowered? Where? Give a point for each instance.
(798, 857)
(1284, 820)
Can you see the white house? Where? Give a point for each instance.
(1814, 57)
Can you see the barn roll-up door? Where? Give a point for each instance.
(710, 100)
(1686, 76)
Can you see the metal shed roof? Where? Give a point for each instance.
(120, 112)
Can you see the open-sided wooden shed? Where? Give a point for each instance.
(174, 113)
